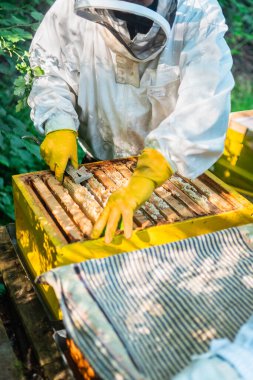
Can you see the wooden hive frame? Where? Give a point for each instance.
(53, 222)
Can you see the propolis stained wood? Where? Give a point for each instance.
(54, 222)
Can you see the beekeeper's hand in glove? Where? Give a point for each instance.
(57, 148)
(152, 170)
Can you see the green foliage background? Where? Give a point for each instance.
(18, 23)
(17, 26)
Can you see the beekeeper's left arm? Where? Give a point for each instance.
(192, 137)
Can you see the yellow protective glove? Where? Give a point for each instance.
(152, 170)
(57, 148)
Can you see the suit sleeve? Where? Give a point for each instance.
(192, 137)
(55, 48)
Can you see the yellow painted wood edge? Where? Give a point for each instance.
(93, 249)
(24, 205)
(244, 202)
(244, 192)
(50, 299)
(235, 169)
(29, 203)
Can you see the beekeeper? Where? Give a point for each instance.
(148, 77)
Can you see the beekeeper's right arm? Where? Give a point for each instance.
(53, 97)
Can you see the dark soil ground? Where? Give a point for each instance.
(20, 344)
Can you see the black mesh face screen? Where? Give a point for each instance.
(137, 24)
(153, 33)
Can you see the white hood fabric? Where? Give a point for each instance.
(168, 89)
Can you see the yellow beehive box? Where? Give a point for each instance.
(53, 221)
(235, 167)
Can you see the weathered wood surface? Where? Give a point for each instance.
(70, 207)
(85, 200)
(9, 364)
(56, 209)
(31, 313)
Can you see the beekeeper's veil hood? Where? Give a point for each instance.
(142, 47)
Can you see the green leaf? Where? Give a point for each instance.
(18, 20)
(2, 111)
(16, 143)
(21, 104)
(19, 86)
(1, 141)
(5, 200)
(4, 68)
(23, 33)
(38, 71)
(7, 6)
(33, 149)
(25, 156)
(6, 205)
(16, 122)
(4, 161)
(15, 35)
(37, 15)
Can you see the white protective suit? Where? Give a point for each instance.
(168, 89)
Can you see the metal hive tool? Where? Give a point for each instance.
(79, 175)
(54, 221)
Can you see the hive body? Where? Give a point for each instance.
(53, 221)
(235, 165)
